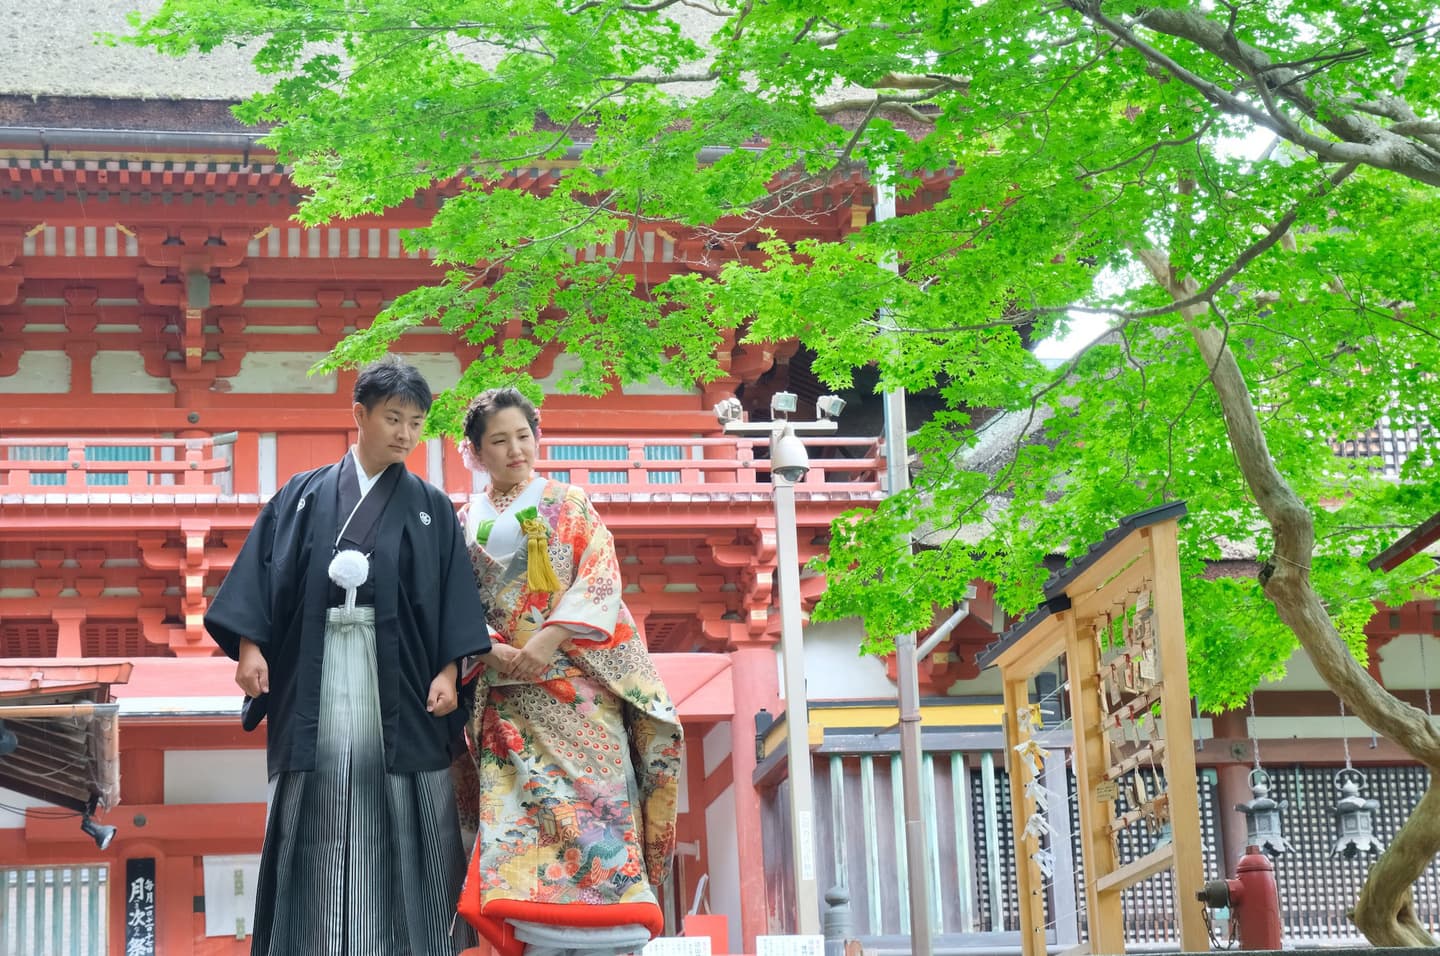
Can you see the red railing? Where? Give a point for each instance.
(157, 466)
(708, 465)
(609, 465)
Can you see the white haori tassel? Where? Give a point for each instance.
(349, 569)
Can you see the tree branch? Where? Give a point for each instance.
(882, 99)
(1290, 588)
(1360, 140)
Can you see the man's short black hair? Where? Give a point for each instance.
(392, 377)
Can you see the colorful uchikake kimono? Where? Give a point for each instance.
(578, 771)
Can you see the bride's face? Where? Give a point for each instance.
(507, 449)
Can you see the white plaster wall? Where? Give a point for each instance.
(682, 796)
(988, 684)
(1308, 728)
(215, 776)
(722, 851)
(717, 746)
(9, 819)
(836, 670)
(1411, 662)
(264, 373)
(655, 385)
(565, 364)
(440, 370)
(1300, 674)
(123, 373)
(1400, 667)
(39, 373)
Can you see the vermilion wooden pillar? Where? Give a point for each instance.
(756, 685)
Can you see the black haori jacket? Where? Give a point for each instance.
(427, 614)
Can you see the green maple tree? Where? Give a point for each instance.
(1261, 304)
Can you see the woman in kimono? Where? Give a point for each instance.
(576, 742)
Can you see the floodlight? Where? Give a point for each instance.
(782, 404)
(101, 833)
(829, 407)
(729, 410)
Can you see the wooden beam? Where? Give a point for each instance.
(1136, 870)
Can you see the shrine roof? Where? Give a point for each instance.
(50, 52)
(1056, 600)
(66, 728)
(1426, 534)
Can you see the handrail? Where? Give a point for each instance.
(650, 468)
(181, 467)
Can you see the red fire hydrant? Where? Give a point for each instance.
(1253, 899)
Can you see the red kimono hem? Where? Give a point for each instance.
(492, 923)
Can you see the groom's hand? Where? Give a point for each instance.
(443, 699)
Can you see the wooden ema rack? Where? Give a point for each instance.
(1115, 616)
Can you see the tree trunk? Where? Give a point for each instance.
(1385, 911)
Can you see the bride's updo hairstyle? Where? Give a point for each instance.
(494, 400)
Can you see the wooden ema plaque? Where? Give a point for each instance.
(1115, 617)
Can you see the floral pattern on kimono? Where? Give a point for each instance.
(578, 771)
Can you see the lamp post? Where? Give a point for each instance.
(789, 463)
(907, 656)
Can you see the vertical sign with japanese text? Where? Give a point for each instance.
(140, 907)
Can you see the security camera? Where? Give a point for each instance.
(788, 458)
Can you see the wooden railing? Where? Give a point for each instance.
(706, 465)
(610, 465)
(156, 466)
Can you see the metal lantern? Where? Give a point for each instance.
(1262, 817)
(1352, 817)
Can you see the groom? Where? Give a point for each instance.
(350, 606)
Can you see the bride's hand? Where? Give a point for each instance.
(536, 656)
(502, 658)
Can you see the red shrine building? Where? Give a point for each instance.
(159, 312)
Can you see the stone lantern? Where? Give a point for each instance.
(1262, 817)
(1353, 817)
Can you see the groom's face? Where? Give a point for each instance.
(389, 431)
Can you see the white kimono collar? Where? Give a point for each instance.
(505, 535)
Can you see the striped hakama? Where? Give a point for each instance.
(357, 861)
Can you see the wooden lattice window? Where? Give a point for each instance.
(1316, 889)
(100, 638)
(618, 453)
(32, 638)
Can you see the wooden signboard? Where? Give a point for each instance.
(140, 907)
(1115, 617)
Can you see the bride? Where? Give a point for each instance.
(575, 740)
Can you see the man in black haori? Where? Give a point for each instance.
(349, 610)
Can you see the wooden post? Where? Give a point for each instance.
(1091, 757)
(1179, 760)
(1028, 883)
